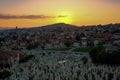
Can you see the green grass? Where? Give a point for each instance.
(59, 49)
(83, 49)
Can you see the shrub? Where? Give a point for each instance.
(4, 65)
(5, 74)
(26, 58)
(31, 46)
(67, 43)
(99, 56)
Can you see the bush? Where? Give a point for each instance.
(5, 74)
(83, 49)
(31, 46)
(67, 43)
(16, 48)
(26, 58)
(99, 56)
(4, 65)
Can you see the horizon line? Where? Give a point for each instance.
(56, 23)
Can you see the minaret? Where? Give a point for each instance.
(16, 27)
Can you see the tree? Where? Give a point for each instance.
(67, 43)
(78, 37)
(99, 56)
(32, 46)
(5, 74)
(43, 47)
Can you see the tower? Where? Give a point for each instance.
(16, 27)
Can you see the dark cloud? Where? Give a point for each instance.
(2, 16)
(61, 16)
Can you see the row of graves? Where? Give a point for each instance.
(48, 65)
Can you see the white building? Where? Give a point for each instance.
(116, 39)
(84, 41)
(76, 44)
(96, 42)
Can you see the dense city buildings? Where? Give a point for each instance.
(57, 34)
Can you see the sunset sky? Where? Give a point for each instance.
(30, 13)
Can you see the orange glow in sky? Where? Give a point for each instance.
(30, 13)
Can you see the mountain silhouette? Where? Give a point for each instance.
(56, 26)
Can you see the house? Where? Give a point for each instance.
(96, 42)
(116, 39)
(84, 41)
(76, 44)
(116, 36)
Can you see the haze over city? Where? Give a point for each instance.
(31, 13)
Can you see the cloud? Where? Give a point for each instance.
(3, 16)
(60, 16)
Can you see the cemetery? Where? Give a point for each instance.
(53, 65)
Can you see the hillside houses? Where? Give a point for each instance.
(116, 39)
(55, 35)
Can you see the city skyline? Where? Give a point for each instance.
(29, 13)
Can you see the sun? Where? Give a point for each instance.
(64, 17)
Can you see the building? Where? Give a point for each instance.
(84, 41)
